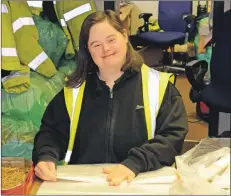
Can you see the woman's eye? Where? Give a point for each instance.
(112, 40)
(95, 46)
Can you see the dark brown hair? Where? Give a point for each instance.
(85, 62)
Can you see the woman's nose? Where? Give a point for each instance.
(106, 47)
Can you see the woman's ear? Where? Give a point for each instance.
(125, 34)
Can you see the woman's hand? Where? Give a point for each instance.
(118, 174)
(46, 170)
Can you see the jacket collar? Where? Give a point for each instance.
(97, 85)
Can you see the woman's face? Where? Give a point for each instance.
(107, 46)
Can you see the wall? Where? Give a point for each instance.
(141, 7)
(99, 5)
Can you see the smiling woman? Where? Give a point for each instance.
(114, 109)
(104, 47)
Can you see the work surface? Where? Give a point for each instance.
(88, 179)
(64, 190)
(74, 188)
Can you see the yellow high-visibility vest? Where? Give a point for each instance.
(154, 86)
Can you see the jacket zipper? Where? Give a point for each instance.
(111, 93)
(109, 116)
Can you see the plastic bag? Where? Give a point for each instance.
(30, 105)
(17, 150)
(51, 38)
(16, 131)
(67, 66)
(223, 180)
(198, 166)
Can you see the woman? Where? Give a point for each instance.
(126, 113)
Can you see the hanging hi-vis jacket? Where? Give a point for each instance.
(154, 84)
(26, 36)
(74, 13)
(70, 52)
(10, 60)
(18, 79)
(36, 7)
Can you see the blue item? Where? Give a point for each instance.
(176, 22)
(170, 20)
(164, 38)
(218, 93)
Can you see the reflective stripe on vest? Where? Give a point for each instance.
(4, 9)
(154, 85)
(38, 60)
(71, 98)
(20, 22)
(38, 4)
(77, 11)
(9, 52)
(63, 23)
(14, 75)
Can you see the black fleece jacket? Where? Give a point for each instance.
(112, 127)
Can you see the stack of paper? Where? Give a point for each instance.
(89, 179)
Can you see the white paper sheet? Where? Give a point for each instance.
(94, 174)
(89, 179)
(64, 187)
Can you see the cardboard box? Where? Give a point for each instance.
(188, 145)
(26, 174)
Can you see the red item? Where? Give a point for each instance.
(204, 108)
(22, 189)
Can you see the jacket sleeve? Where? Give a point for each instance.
(51, 141)
(171, 129)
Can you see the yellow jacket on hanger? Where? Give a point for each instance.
(10, 60)
(70, 52)
(36, 7)
(26, 36)
(18, 79)
(74, 14)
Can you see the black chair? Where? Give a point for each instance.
(216, 94)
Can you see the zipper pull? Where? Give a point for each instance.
(111, 93)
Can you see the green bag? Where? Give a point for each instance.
(51, 38)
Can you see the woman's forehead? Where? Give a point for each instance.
(102, 30)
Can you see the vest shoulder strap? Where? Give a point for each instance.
(165, 78)
(73, 99)
(153, 94)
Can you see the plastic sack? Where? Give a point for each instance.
(51, 38)
(30, 105)
(16, 131)
(208, 50)
(67, 66)
(223, 180)
(199, 166)
(17, 150)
